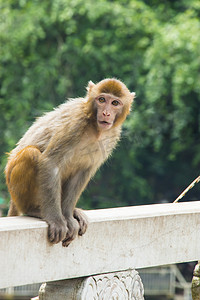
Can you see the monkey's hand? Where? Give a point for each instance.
(57, 230)
(73, 228)
(82, 220)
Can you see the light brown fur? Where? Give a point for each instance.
(53, 162)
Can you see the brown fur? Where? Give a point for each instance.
(53, 162)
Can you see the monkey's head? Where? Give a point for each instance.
(108, 103)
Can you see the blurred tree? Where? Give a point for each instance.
(51, 49)
(170, 113)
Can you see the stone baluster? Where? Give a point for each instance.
(126, 285)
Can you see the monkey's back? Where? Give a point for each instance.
(45, 127)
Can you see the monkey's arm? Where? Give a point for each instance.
(71, 192)
(50, 199)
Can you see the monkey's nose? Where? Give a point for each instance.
(106, 114)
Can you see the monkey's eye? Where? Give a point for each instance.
(102, 99)
(115, 103)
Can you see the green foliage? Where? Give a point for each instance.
(51, 49)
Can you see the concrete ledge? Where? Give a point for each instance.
(117, 239)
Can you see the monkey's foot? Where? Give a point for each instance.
(57, 231)
(73, 228)
(82, 220)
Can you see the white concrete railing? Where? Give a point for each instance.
(117, 239)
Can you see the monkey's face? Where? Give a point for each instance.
(109, 101)
(108, 108)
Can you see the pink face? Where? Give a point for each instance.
(108, 107)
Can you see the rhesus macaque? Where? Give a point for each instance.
(55, 159)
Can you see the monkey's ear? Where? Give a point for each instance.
(90, 85)
(133, 94)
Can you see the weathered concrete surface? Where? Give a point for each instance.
(117, 239)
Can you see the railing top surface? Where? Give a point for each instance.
(144, 211)
(110, 214)
(117, 239)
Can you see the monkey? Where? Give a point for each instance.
(53, 162)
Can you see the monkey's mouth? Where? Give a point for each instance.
(104, 124)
